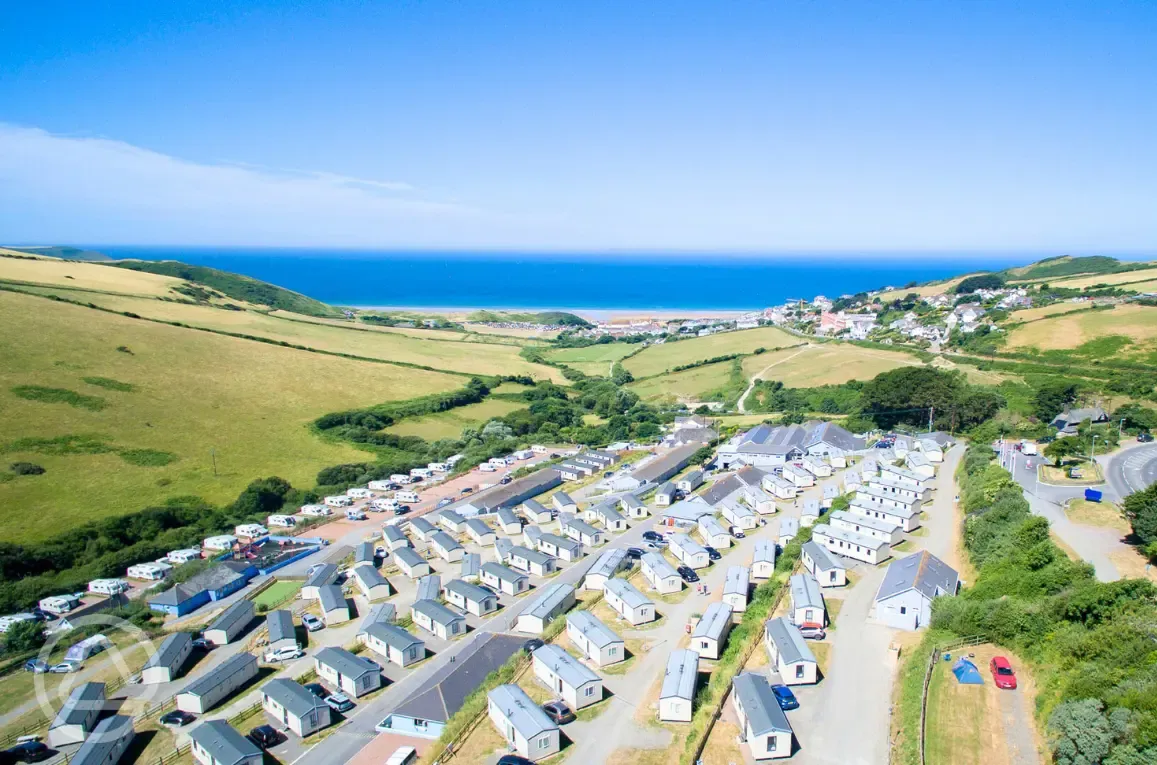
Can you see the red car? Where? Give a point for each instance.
(1002, 673)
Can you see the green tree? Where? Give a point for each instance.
(1083, 734)
(1061, 448)
(1052, 397)
(25, 636)
(979, 282)
(1140, 509)
(620, 375)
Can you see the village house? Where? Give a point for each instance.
(710, 634)
(429, 588)
(677, 694)
(789, 653)
(736, 587)
(873, 495)
(625, 600)
(908, 491)
(350, 673)
(364, 554)
(594, 639)
(503, 579)
(504, 547)
(563, 674)
(904, 600)
(293, 706)
(798, 477)
(920, 464)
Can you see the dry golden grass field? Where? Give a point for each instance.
(824, 364)
(1136, 322)
(80, 275)
(660, 358)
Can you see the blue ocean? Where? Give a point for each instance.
(597, 281)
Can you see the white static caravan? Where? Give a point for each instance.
(688, 552)
(564, 549)
(78, 715)
(628, 602)
(736, 587)
(798, 477)
(851, 545)
(371, 583)
(788, 529)
(338, 500)
(908, 520)
(710, 634)
(596, 640)
(878, 528)
(811, 512)
(446, 547)
(213, 687)
(825, 567)
(508, 521)
(606, 514)
(482, 534)
(807, 602)
(779, 488)
(739, 515)
(503, 579)
(679, 682)
(563, 503)
(335, 609)
(429, 588)
(816, 467)
(763, 559)
(526, 728)
(394, 643)
(353, 675)
(535, 512)
(712, 533)
(323, 575)
(931, 449)
(230, 623)
(531, 536)
(411, 563)
(852, 481)
(470, 597)
(214, 742)
(633, 506)
(394, 538)
(905, 490)
(563, 674)
(219, 543)
(294, 707)
(149, 572)
(690, 482)
(665, 494)
(281, 521)
(164, 665)
(918, 463)
(553, 600)
(763, 724)
(451, 521)
(400, 478)
(438, 620)
(789, 653)
(316, 511)
(107, 743)
(876, 496)
(605, 567)
(582, 532)
(904, 476)
(422, 529)
(532, 562)
(831, 491)
(470, 569)
(358, 492)
(662, 577)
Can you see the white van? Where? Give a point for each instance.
(404, 755)
(399, 478)
(486, 467)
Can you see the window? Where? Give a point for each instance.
(544, 742)
(703, 644)
(772, 743)
(903, 609)
(799, 670)
(590, 691)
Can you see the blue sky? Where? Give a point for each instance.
(762, 126)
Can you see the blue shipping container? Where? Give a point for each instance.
(1093, 495)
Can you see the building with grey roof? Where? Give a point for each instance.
(482, 534)
(532, 561)
(394, 538)
(736, 586)
(687, 513)
(849, 544)
(517, 491)
(867, 525)
(788, 529)
(78, 715)
(230, 623)
(665, 494)
(666, 465)
(410, 563)
(216, 742)
(530, 536)
(352, 674)
(632, 506)
(827, 568)
(560, 547)
(438, 620)
(606, 514)
(370, 581)
(107, 742)
(811, 512)
(335, 609)
(324, 575)
(687, 551)
(397, 645)
(710, 634)
(422, 528)
(763, 559)
(738, 514)
(280, 630)
(524, 725)
(789, 653)
(712, 533)
(165, 665)
(535, 512)
(552, 601)
(660, 575)
(691, 481)
(628, 602)
(217, 684)
(509, 521)
(502, 550)
(446, 547)
(379, 613)
(364, 554)
(904, 600)
(294, 706)
(451, 521)
(503, 579)
(678, 690)
(429, 588)
(597, 641)
(761, 719)
(471, 598)
(807, 602)
(471, 567)
(609, 563)
(582, 532)
(565, 675)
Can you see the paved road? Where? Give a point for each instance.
(1132, 469)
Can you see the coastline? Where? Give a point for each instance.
(594, 314)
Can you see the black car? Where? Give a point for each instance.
(712, 553)
(176, 719)
(609, 474)
(468, 490)
(505, 480)
(558, 712)
(634, 553)
(687, 574)
(1144, 437)
(317, 689)
(29, 751)
(652, 536)
(264, 736)
(514, 759)
(532, 645)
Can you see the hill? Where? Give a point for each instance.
(66, 253)
(1067, 265)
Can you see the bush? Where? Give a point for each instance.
(59, 396)
(26, 468)
(23, 637)
(147, 457)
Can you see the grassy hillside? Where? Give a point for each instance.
(824, 364)
(660, 358)
(123, 412)
(593, 359)
(688, 385)
(89, 276)
(69, 253)
(1066, 265)
(1123, 331)
(450, 424)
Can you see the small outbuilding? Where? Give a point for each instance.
(216, 742)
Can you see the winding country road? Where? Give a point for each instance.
(741, 405)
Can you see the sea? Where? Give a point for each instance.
(591, 282)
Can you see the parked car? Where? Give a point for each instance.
(381, 552)
(712, 553)
(28, 751)
(634, 553)
(1002, 673)
(467, 490)
(339, 702)
(311, 622)
(812, 631)
(285, 653)
(319, 690)
(688, 575)
(444, 501)
(177, 719)
(653, 536)
(514, 759)
(532, 645)
(401, 509)
(785, 697)
(264, 736)
(554, 455)
(404, 755)
(558, 712)
(1145, 437)
(66, 666)
(609, 474)
(738, 533)
(36, 666)
(505, 480)
(201, 644)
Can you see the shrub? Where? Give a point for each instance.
(26, 468)
(110, 384)
(24, 636)
(147, 457)
(59, 396)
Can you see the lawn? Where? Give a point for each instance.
(1135, 322)
(1124, 278)
(660, 358)
(603, 352)
(1102, 514)
(449, 424)
(688, 385)
(192, 396)
(825, 364)
(276, 593)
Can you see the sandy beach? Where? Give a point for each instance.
(591, 314)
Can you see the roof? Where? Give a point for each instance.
(917, 458)
(766, 439)
(534, 556)
(736, 509)
(369, 576)
(346, 663)
(608, 562)
(471, 564)
(710, 525)
(738, 581)
(681, 676)
(84, 698)
(503, 547)
(325, 574)
(364, 552)
(694, 476)
(549, 598)
(722, 489)
(392, 635)
(506, 515)
(789, 643)
(331, 597)
(429, 587)
(805, 592)
(923, 572)
(876, 524)
(714, 622)
(437, 613)
(380, 613)
(659, 565)
(607, 512)
(409, 556)
(468, 591)
(666, 488)
(421, 526)
(292, 696)
(689, 511)
(764, 714)
(561, 497)
(562, 543)
(899, 512)
(280, 626)
(833, 435)
(582, 527)
(764, 551)
(501, 572)
(820, 556)
(478, 527)
(223, 743)
(851, 537)
(871, 490)
(628, 593)
(520, 711)
(631, 501)
(533, 532)
(237, 614)
(442, 694)
(811, 507)
(592, 628)
(445, 541)
(393, 534)
(789, 526)
(100, 745)
(450, 517)
(686, 544)
(517, 490)
(569, 669)
(219, 674)
(536, 507)
(172, 647)
(214, 578)
(663, 467)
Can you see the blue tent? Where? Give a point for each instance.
(967, 673)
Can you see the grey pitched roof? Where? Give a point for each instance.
(103, 741)
(572, 672)
(766, 439)
(562, 543)
(238, 613)
(592, 628)
(394, 534)
(562, 497)
(517, 490)
(369, 576)
(506, 516)
(805, 592)
(380, 613)
(833, 435)
(501, 572)
(764, 551)
(520, 711)
(738, 581)
(280, 626)
(471, 592)
(819, 554)
(534, 556)
(722, 489)
(213, 578)
(608, 513)
(503, 547)
(170, 648)
(429, 587)
(219, 674)
(450, 516)
(437, 612)
(392, 635)
(686, 543)
(323, 575)
(681, 676)
(716, 617)
(789, 526)
(659, 565)
(811, 507)
(626, 592)
(631, 501)
(608, 562)
(710, 525)
(421, 526)
(80, 703)
(831, 491)
(293, 696)
(668, 488)
(898, 512)
(549, 598)
(223, 743)
(583, 528)
(922, 571)
(408, 556)
(364, 552)
(666, 465)
(789, 643)
(442, 694)
(331, 597)
(534, 532)
(876, 524)
(471, 565)
(764, 714)
(478, 527)
(445, 541)
(346, 663)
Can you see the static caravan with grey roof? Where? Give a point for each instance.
(710, 634)
(878, 528)
(216, 742)
(825, 567)
(788, 529)
(563, 549)
(763, 724)
(280, 630)
(324, 575)
(919, 463)
(851, 545)
(379, 613)
(107, 742)
(429, 588)
(502, 550)
(294, 707)
(736, 586)
(471, 568)
(633, 506)
(609, 563)
(411, 563)
(789, 653)
(596, 640)
(905, 490)
(364, 554)
(780, 488)
(811, 512)
(690, 482)
(874, 495)
(353, 675)
(606, 514)
(482, 534)
(665, 494)
(532, 561)
(798, 477)
(508, 521)
(526, 728)
(907, 477)
(394, 643)
(816, 467)
(763, 559)
(687, 551)
(371, 582)
(394, 538)
(438, 620)
(678, 691)
(831, 491)
(739, 515)
(660, 574)
(582, 532)
(422, 528)
(535, 511)
(807, 602)
(530, 536)
(335, 609)
(213, 687)
(451, 521)
(503, 579)
(552, 601)
(573, 681)
(78, 715)
(230, 623)
(628, 602)
(471, 598)
(907, 519)
(712, 533)
(164, 665)
(852, 480)
(446, 547)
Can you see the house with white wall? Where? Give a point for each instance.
(709, 637)
(827, 569)
(677, 693)
(595, 640)
(526, 728)
(563, 674)
(789, 653)
(849, 544)
(763, 725)
(625, 600)
(660, 575)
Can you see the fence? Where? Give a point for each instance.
(933, 659)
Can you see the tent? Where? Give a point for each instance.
(967, 673)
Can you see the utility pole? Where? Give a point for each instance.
(1120, 428)
(1092, 450)
(931, 409)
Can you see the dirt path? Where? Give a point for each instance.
(741, 404)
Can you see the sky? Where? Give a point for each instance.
(780, 125)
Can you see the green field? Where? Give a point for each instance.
(824, 364)
(688, 385)
(449, 424)
(276, 593)
(593, 359)
(110, 449)
(659, 358)
(1136, 324)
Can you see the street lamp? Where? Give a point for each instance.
(1092, 449)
